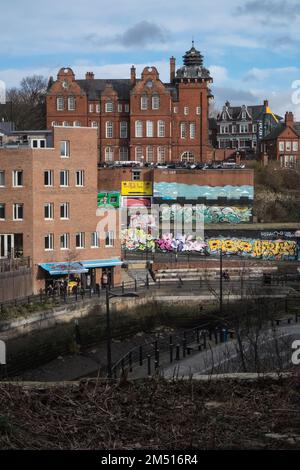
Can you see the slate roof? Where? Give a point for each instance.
(275, 133)
(256, 112)
(95, 87)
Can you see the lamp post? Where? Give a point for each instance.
(221, 283)
(110, 295)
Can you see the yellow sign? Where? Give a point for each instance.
(137, 188)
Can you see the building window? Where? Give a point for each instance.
(175, 109)
(198, 110)
(2, 178)
(79, 178)
(244, 115)
(41, 143)
(77, 124)
(288, 145)
(80, 240)
(65, 241)
(94, 124)
(281, 146)
(60, 104)
(64, 210)
(109, 126)
(2, 211)
(49, 242)
(136, 175)
(155, 102)
(18, 211)
(224, 129)
(109, 107)
(149, 129)
(244, 128)
(126, 108)
(295, 146)
(123, 130)
(192, 130)
(109, 154)
(49, 211)
(123, 154)
(64, 148)
(139, 154)
(138, 129)
(161, 155)
(98, 108)
(224, 116)
(183, 130)
(188, 157)
(48, 178)
(64, 178)
(91, 108)
(94, 240)
(186, 110)
(71, 103)
(254, 128)
(233, 130)
(149, 154)
(120, 108)
(17, 178)
(109, 239)
(144, 102)
(161, 128)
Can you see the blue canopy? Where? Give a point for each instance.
(101, 263)
(64, 268)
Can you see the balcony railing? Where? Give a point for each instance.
(14, 264)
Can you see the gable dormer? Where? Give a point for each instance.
(244, 114)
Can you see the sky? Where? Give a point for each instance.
(251, 47)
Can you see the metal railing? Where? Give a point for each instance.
(14, 264)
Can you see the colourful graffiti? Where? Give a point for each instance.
(172, 191)
(136, 239)
(209, 214)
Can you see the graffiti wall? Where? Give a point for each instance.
(209, 214)
(136, 239)
(173, 191)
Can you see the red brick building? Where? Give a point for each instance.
(140, 119)
(48, 206)
(282, 145)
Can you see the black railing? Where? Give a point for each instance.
(14, 264)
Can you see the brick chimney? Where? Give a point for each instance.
(133, 75)
(89, 76)
(289, 119)
(172, 68)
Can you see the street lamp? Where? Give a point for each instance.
(110, 295)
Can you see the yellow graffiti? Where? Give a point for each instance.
(255, 248)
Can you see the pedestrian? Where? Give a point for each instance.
(104, 280)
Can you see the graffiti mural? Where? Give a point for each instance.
(172, 191)
(209, 214)
(136, 239)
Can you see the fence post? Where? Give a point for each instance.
(141, 355)
(204, 340)
(147, 281)
(184, 347)
(198, 335)
(171, 353)
(149, 364)
(130, 361)
(216, 336)
(177, 352)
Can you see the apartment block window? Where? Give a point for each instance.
(136, 175)
(295, 146)
(144, 102)
(126, 108)
(64, 148)
(123, 154)
(2, 178)
(161, 128)
(120, 108)
(94, 124)
(192, 130)
(254, 128)
(109, 107)
(2, 211)
(139, 154)
(149, 154)
(186, 110)
(17, 178)
(109, 126)
(77, 124)
(18, 211)
(224, 129)
(281, 146)
(60, 104)
(49, 242)
(98, 108)
(175, 109)
(91, 108)
(64, 178)
(183, 130)
(49, 211)
(288, 146)
(48, 178)
(198, 110)
(41, 143)
(155, 102)
(109, 239)
(80, 242)
(149, 129)
(161, 155)
(64, 210)
(109, 154)
(65, 241)
(123, 130)
(138, 129)
(94, 240)
(79, 178)
(244, 128)
(71, 103)
(233, 129)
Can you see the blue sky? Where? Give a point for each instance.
(252, 47)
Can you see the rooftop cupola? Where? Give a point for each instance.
(193, 57)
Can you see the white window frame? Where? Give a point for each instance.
(123, 130)
(150, 154)
(2, 179)
(3, 205)
(50, 174)
(77, 124)
(120, 108)
(98, 108)
(60, 103)
(71, 103)
(138, 128)
(94, 240)
(123, 152)
(161, 128)
(161, 155)
(81, 236)
(295, 146)
(186, 110)
(65, 209)
(15, 178)
(149, 129)
(79, 178)
(66, 178)
(109, 236)
(139, 153)
(109, 129)
(64, 148)
(50, 237)
(183, 130)
(109, 107)
(91, 108)
(126, 108)
(155, 102)
(49, 207)
(16, 207)
(198, 110)
(192, 130)
(64, 241)
(144, 103)
(281, 146)
(109, 154)
(288, 145)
